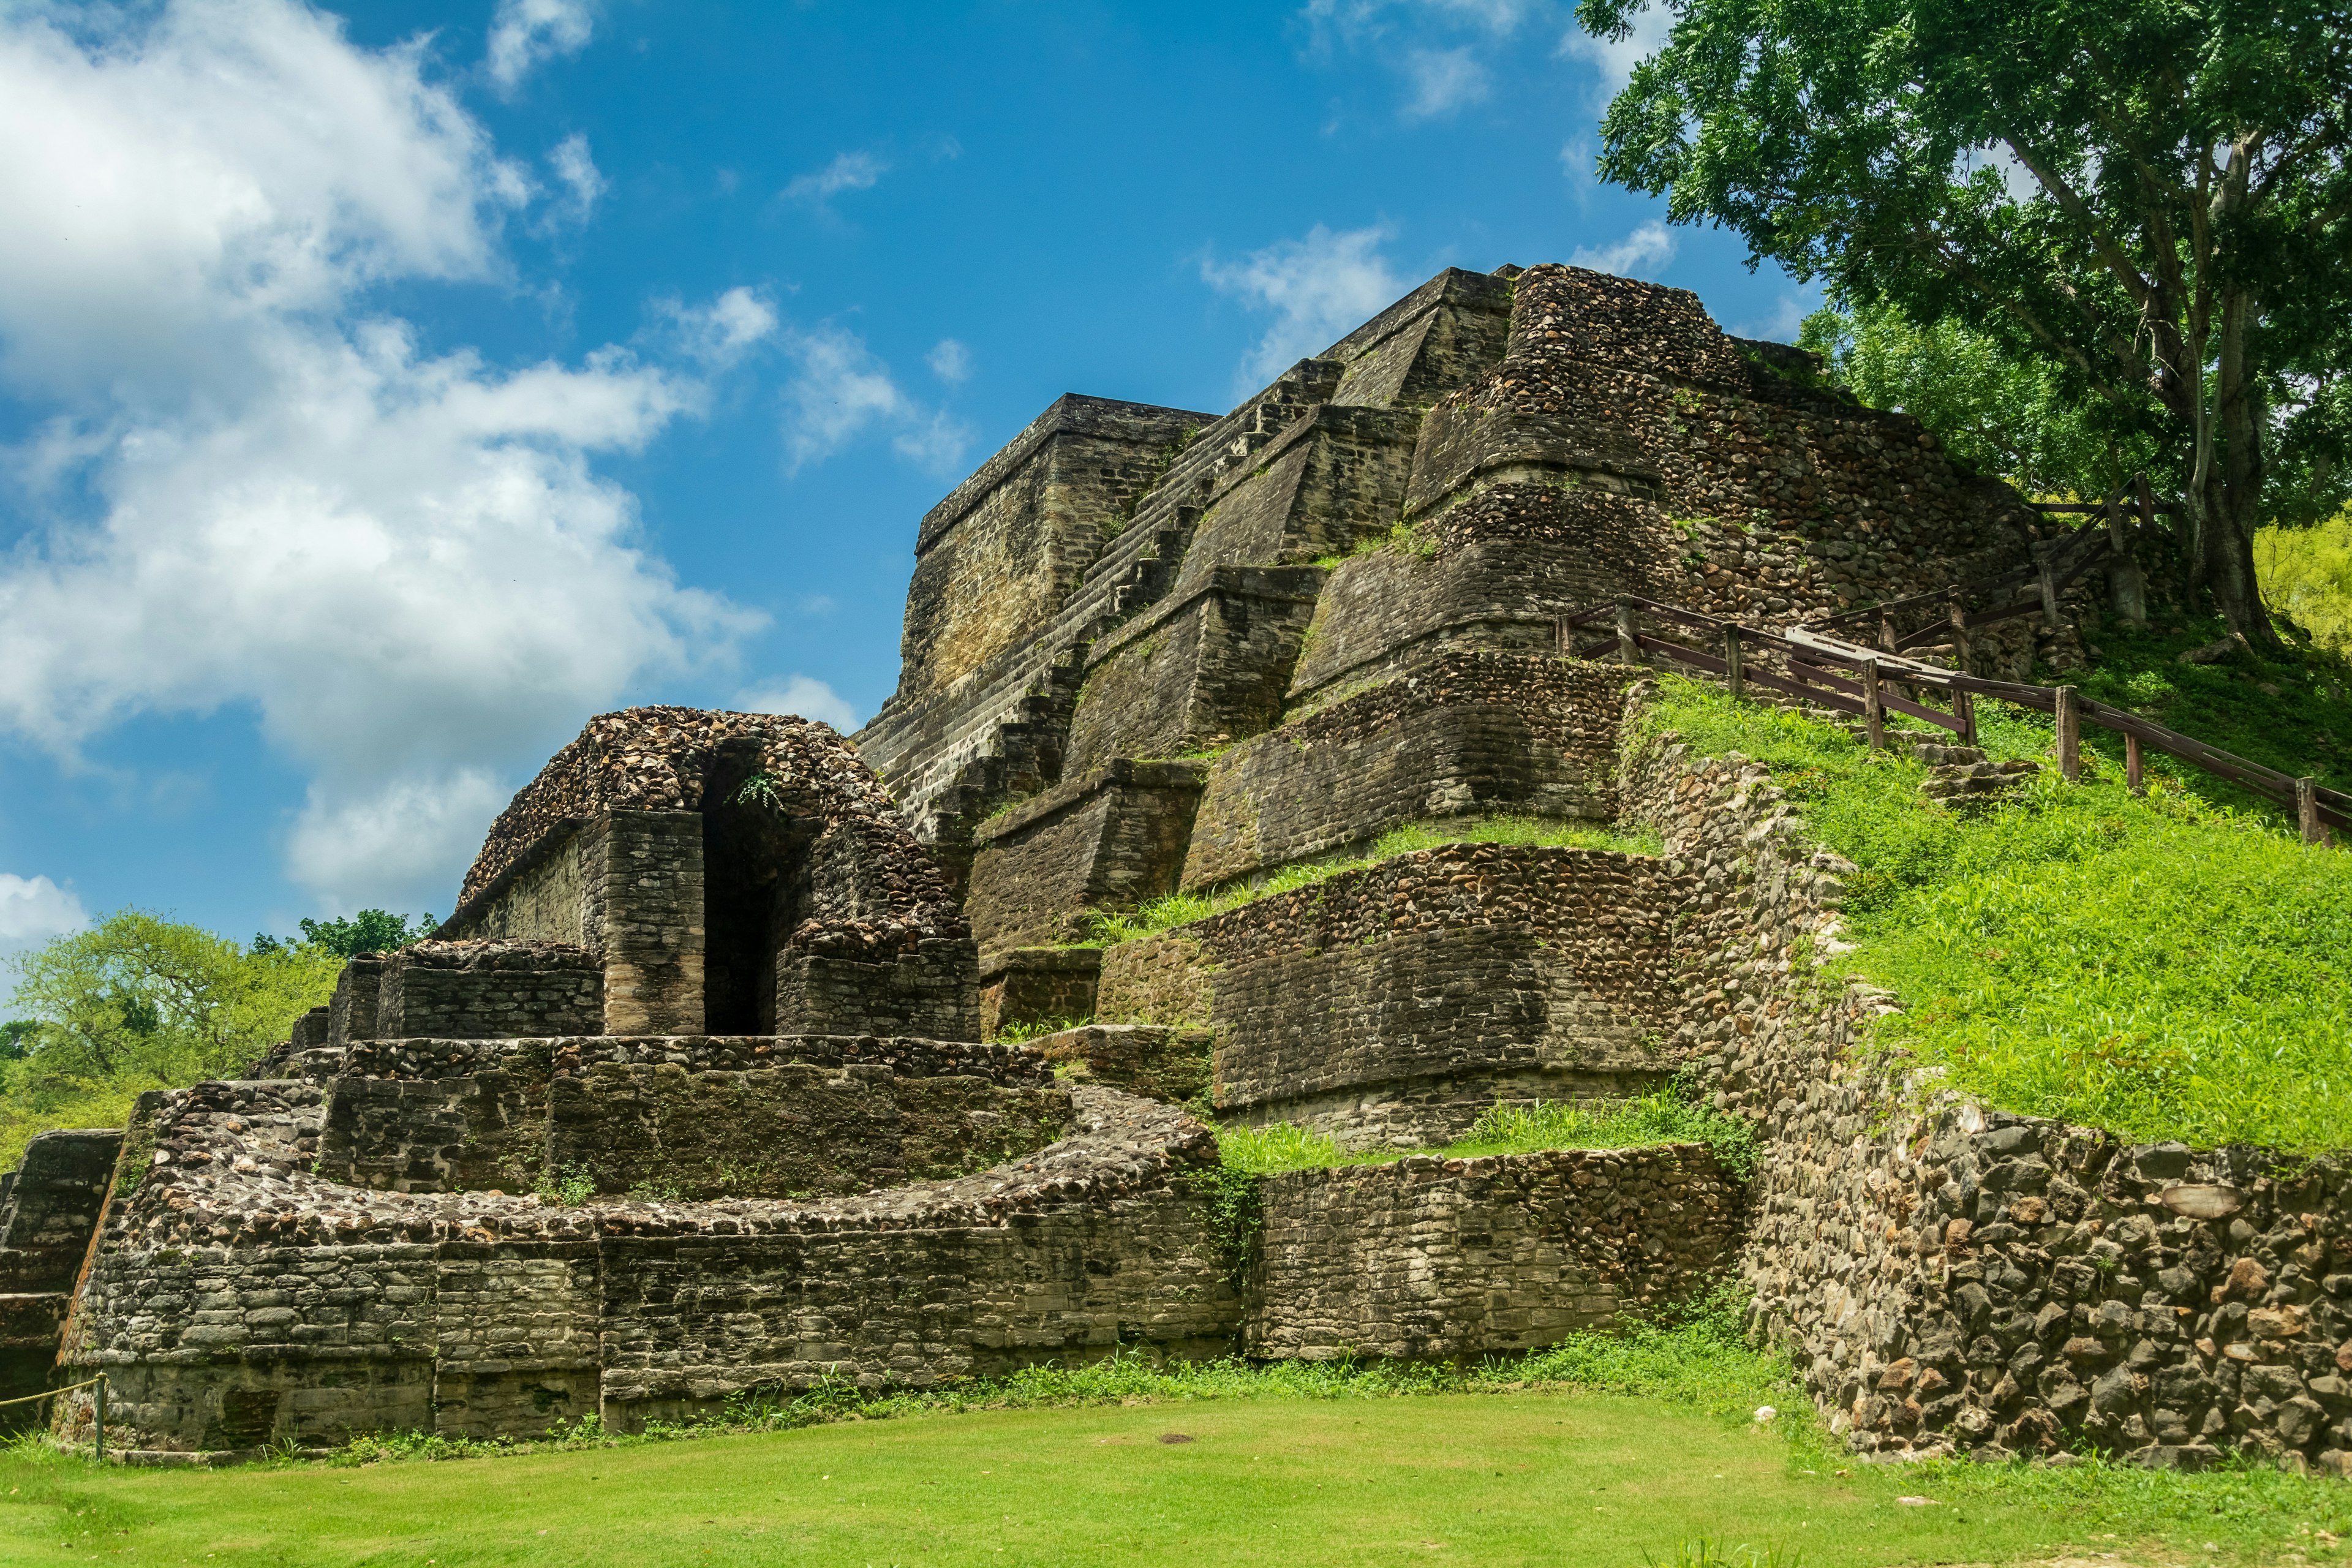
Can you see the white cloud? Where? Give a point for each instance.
(168, 187)
(839, 389)
(1443, 80)
(1641, 254)
(392, 844)
(33, 909)
(526, 32)
(578, 172)
(950, 360)
(247, 491)
(848, 172)
(1319, 288)
(721, 333)
(803, 695)
(1614, 59)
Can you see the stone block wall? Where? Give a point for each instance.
(752, 1116)
(1155, 1061)
(350, 1013)
(931, 990)
(1392, 1005)
(1037, 985)
(1467, 733)
(1335, 476)
(1167, 979)
(1110, 840)
(1952, 1278)
(792, 1131)
(999, 554)
(1433, 340)
(237, 1300)
(642, 873)
(1493, 571)
(1452, 1259)
(50, 1206)
(1199, 671)
(489, 989)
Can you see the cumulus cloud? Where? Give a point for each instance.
(1641, 254)
(524, 33)
(579, 175)
(848, 172)
(721, 333)
(950, 360)
(33, 909)
(840, 390)
(248, 491)
(396, 842)
(1443, 80)
(804, 695)
(1319, 288)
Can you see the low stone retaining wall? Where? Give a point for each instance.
(1950, 1277)
(1467, 733)
(235, 1301)
(1432, 1258)
(692, 1117)
(1392, 1005)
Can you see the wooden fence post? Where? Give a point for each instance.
(2127, 586)
(1735, 666)
(2070, 733)
(2046, 575)
(2306, 811)
(1628, 651)
(1964, 709)
(1563, 636)
(1956, 609)
(1873, 707)
(2133, 779)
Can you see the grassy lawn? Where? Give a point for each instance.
(2169, 967)
(1526, 1479)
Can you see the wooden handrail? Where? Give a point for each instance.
(1810, 655)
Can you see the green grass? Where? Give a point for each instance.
(1666, 1117)
(2292, 713)
(2170, 967)
(1605, 1450)
(1183, 908)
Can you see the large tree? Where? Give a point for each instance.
(2150, 196)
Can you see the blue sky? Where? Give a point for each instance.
(385, 391)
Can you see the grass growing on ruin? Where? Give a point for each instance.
(1183, 908)
(2170, 967)
(1666, 1116)
(1604, 1450)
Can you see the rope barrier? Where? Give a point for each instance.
(52, 1393)
(98, 1382)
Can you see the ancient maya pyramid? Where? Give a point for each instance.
(691, 1097)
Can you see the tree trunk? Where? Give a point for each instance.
(2234, 488)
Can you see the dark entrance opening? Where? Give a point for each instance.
(750, 846)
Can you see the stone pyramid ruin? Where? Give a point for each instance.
(694, 1096)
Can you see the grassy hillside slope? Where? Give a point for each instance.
(2168, 967)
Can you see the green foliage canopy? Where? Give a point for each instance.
(138, 1002)
(1994, 412)
(348, 936)
(2150, 198)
